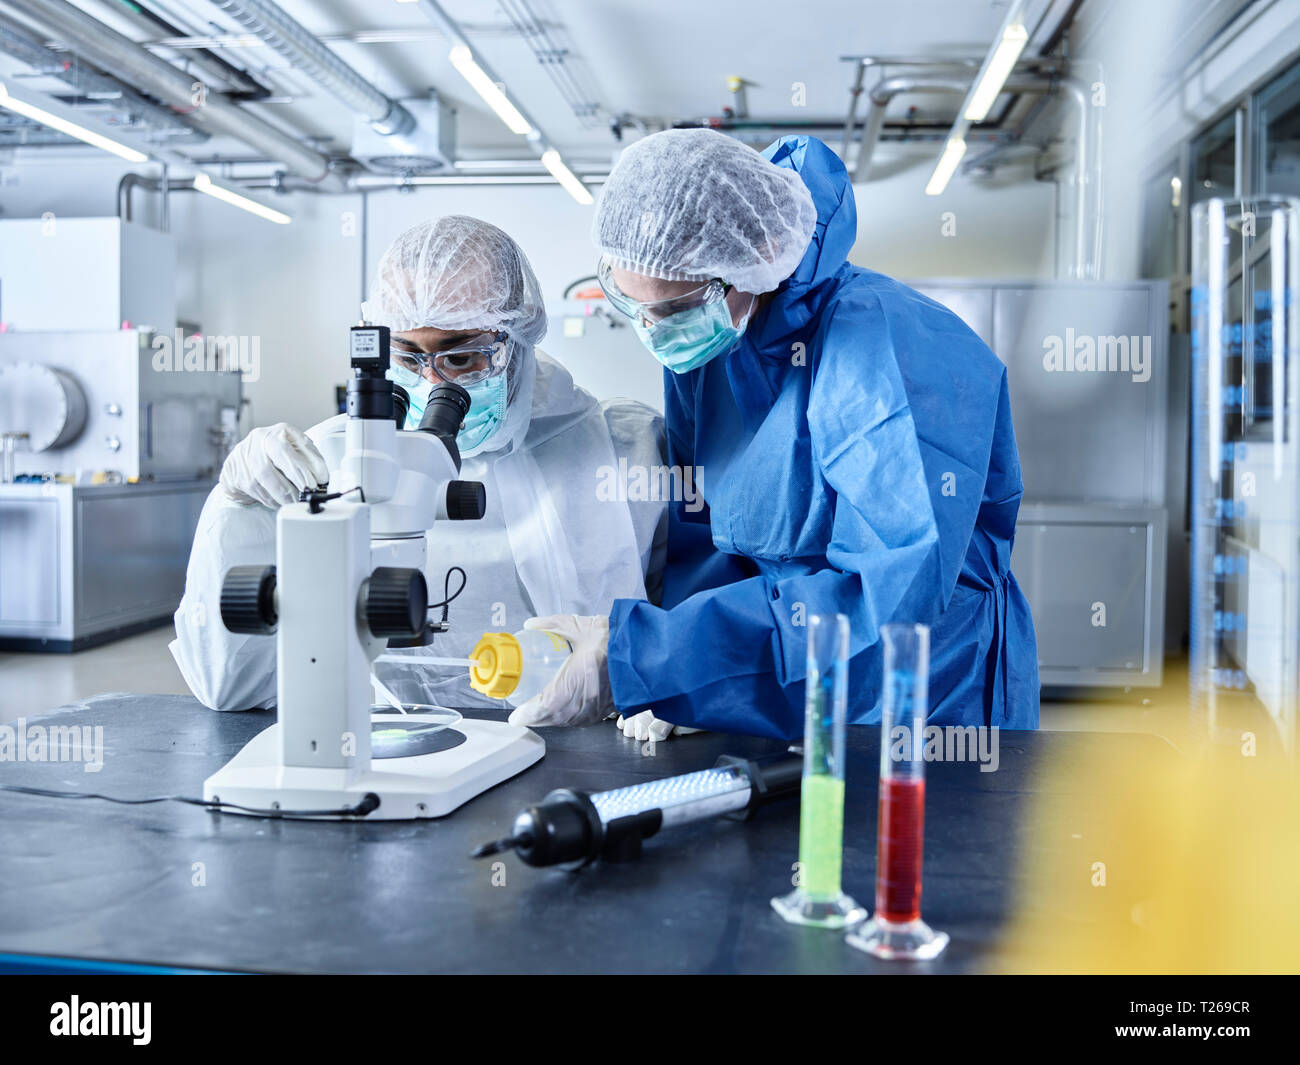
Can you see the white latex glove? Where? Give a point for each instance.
(271, 465)
(579, 693)
(645, 726)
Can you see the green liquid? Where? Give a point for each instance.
(821, 835)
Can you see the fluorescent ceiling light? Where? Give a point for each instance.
(575, 188)
(997, 68)
(63, 125)
(206, 185)
(953, 150)
(463, 60)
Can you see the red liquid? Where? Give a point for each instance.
(900, 836)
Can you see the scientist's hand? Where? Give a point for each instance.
(579, 692)
(645, 726)
(271, 465)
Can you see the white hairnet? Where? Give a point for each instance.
(694, 204)
(457, 272)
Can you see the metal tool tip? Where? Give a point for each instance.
(496, 846)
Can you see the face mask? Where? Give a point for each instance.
(417, 388)
(487, 413)
(691, 338)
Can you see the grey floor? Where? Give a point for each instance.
(32, 683)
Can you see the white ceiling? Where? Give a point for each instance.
(662, 59)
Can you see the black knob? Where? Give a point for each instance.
(397, 601)
(248, 600)
(466, 500)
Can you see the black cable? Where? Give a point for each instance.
(315, 498)
(447, 594)
(368, 804)
(308, 494)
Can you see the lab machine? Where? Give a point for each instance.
(347, 583)
(1093, 390)
(108, 453)
(110, 439)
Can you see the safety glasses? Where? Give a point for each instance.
(653, 312)
(470, 362)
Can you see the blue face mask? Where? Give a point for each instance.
(486, 415)
(417, 388)
(689, 339)
(487, 409)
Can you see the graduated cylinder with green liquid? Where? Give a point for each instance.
(818, 899)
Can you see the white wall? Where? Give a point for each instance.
(995, 227)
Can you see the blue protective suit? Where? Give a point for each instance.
(856, 455)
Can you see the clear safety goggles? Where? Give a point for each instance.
(468, 363)
(652, 312)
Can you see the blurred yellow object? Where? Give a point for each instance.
(1191, 865)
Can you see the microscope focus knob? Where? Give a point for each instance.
(397, 602)
(248, 600)
(466, 500)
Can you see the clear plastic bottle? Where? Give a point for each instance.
(516, 666)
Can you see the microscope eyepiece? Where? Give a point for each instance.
(401, 405)
(448, 404)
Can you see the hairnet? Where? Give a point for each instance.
(457, 272)
(694, 204)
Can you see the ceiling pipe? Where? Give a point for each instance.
(297, 44)
(140, 181)
(17, 42)
(107, 49)
(884, 91)
(362, 183)
(215, 69)
(861, 63)
(35, 136)
(1040, 64)
(1087, 186)
(379, 181)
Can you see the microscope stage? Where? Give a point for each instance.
(411, 787)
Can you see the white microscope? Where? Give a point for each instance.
(348, 578)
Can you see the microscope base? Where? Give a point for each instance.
(409, 788)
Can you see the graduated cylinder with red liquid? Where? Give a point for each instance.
(900, 838)
(896, 929)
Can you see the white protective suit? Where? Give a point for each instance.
(552, 541)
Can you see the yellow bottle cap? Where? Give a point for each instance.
(499, 661)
